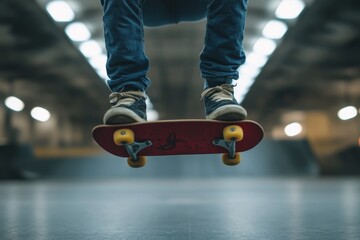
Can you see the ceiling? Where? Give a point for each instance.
(315, 68)
(42, 67)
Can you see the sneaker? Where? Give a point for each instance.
(126, 107)
(220, 104)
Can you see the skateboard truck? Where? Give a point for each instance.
(126, 137)
(231, 134)
(228, 145)
(134, 148)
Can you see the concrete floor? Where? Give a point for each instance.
(267, 208)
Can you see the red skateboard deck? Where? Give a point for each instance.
(178, 137)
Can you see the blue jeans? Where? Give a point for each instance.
(127, 63)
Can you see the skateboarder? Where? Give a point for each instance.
(127, 63)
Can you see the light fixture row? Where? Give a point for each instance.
(265, 45)
(39, 113)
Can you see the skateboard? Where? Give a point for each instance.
(178, 137)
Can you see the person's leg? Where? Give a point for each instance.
(222, 54)
(223, 51)
(127, 63)
(221, 57)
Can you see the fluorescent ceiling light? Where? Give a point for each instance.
(90, 48)
(274, 29)
(149, 104)
(264, 46)
(239, 97)
(289, 9)
(78, 32)
(152, 115)
(102, 73)
(293, 129)
(14, 103)
(347, 113)
(98, 62)
(256, 60)
(244, 84)
(40, 114)
(248, 71)
(242, 88)
(60, 11)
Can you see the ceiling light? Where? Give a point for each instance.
(149, 104)
(347, 113)
(247, 71)
(98, 62)
(293, 129)
(289, 9)
(60, 11)
(102, 73)
(78, 32)
(90, 48)
(242, 87)
(274, 29)
(264, 46)
(14, 103)
(152, 115)
(40, 114)
(247, 75)
(255, 59)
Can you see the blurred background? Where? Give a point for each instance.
(301, 82)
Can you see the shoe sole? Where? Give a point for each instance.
(121, 115)
(228, 113)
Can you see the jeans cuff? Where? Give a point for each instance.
(213, 82)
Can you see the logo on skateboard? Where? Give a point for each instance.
(171, 142)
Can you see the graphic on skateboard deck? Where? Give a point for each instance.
(178, 137)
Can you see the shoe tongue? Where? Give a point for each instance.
(125, 98)
(218, 93)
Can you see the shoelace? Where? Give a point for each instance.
(219, 93)
(125, 98)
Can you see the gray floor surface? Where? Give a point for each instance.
(265, 208)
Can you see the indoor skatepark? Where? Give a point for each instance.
(300, 182)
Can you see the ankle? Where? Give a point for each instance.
(214, 82)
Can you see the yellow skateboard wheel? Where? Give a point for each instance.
(233, 132)
(124, 136)
(137, 164)
(231, 161)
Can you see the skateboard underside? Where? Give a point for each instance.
(178, 137)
